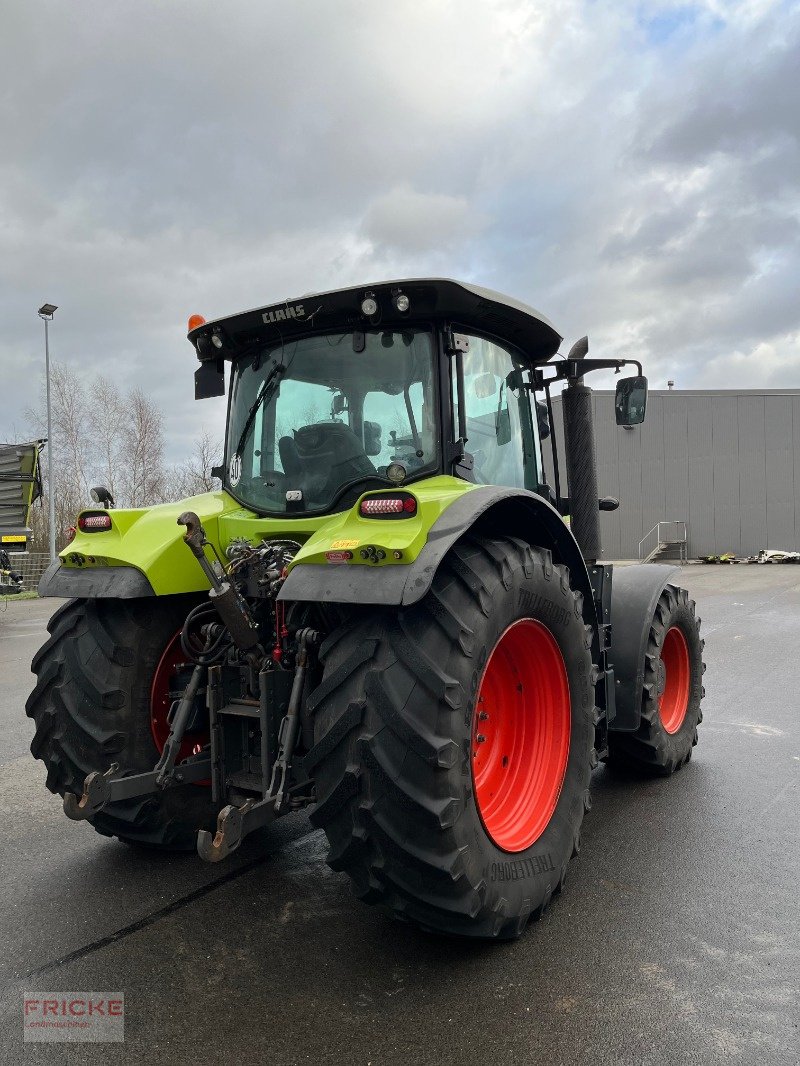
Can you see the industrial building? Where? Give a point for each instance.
(726, 463)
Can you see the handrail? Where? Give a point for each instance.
(679, 538)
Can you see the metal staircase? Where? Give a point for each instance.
(666, 540)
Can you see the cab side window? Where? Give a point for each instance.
(500, 435)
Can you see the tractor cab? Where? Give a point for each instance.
(372, 388)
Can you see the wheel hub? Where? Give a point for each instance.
(673, 695)
(520, 736)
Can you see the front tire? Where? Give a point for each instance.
(671, 694)
(92, 706)
(411, 801)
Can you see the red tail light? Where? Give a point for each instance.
(94, 522)
(399, 505)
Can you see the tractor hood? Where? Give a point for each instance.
(441, 299)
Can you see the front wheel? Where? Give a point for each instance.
(454, 740)
(672, 691)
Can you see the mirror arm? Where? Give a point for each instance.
(576, 368)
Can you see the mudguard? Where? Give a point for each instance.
(491, 510)
(121, 582)
(142, 554)
(634, 596)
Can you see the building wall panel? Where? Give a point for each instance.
(752, 472)
(780, 470)
(700, 474)
(726, 462)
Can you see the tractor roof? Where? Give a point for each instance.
(462, 304)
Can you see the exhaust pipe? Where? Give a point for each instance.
(579, 444)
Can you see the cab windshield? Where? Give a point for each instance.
(315, 422)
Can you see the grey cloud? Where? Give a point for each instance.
(411, 222)
(163, 159)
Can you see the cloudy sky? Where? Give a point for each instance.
(630, 168)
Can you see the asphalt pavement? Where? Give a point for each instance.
(677, 938)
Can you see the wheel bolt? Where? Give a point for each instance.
(480, 738)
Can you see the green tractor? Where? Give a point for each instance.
(383, 614)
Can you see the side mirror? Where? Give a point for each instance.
(484, 386)
(209, 380)
(543, 419)
(630, 402)
(100, 494)
(502, 426)
(372, 437)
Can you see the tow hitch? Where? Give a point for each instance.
(100, 789)
(250, 757)
(234, 823)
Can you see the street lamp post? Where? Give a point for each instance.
(46, 312)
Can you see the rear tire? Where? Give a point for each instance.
(672, 691)
(91, 707)
(395, 720)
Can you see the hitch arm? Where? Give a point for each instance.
(166, 763)
(290, 726)
(233, 825)
(110, 787)
(195, 539)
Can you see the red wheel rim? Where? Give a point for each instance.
(520, 737)
(674, 699)
(162, 693)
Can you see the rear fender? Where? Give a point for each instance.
(488, 510)
(142, 554)
(634, 595)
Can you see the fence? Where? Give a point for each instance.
(31, 565)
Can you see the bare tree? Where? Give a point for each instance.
(193, 476)
(70, 412)
(102, 436)
(107, 436)
(108, 415)
(142, 438)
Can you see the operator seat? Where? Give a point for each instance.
(323, 457)
(290, 457)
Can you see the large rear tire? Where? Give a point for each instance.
(671, 694)
(92, 706)
(454, 743)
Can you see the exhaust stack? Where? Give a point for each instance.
(581, 464)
